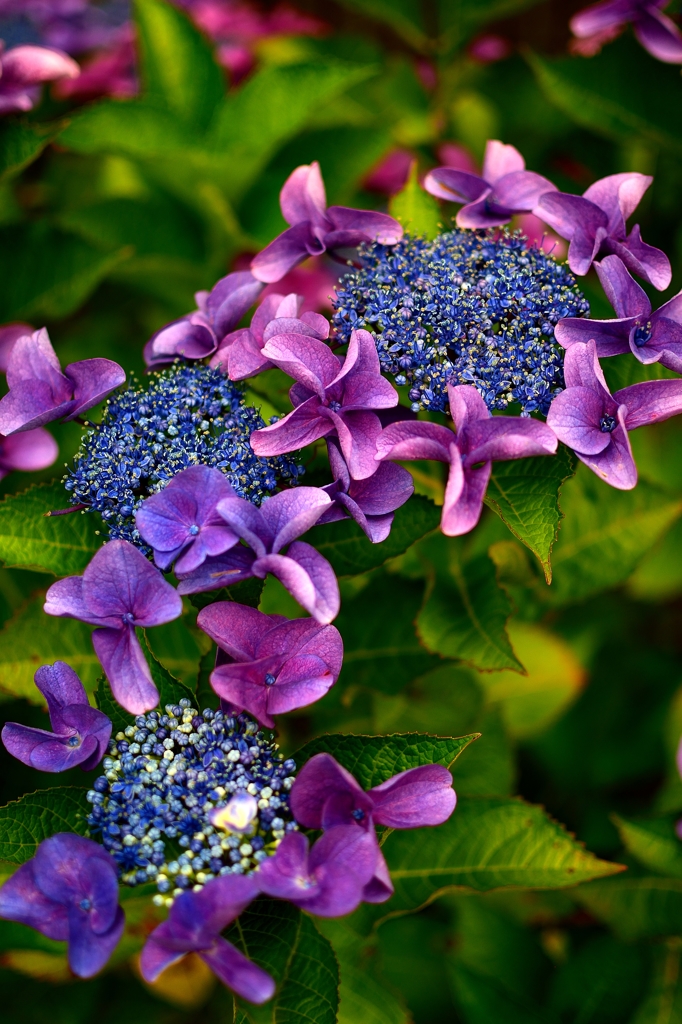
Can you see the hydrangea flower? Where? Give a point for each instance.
(652, 337)
(119, 590)
(594, 223)
(187, 415)
(491, 199)
(80, 733)
(330, 396)
(480, 440)
(595, 423)
(315, 227)
(275, 665)
(170, 782)
(466, 308)
(198, 334)
(327, 796)
(38, 390)
(371, 502)
(305, 573)
(68, 892)
(23, 70)
(181, 521)
(194, 925)
(602, 22)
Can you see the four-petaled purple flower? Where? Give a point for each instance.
(119, 590)
(595, 424)
(330, 879)
(331, 396)
(69, 892)
(504, 188)
(240, 353)
(80, 733)
(651, 337)
(602, 22)
(38, 390)
(480, 440)
(194, 925)
(327, 796)
(316, 227)
(303, 570)
(198, 334)
(181, 521)
(371, 502)
(594, 223)
(276, 664)
(23, 69)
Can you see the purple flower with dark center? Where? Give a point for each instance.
(275, 664)
(327, 796)
(480, 440)
(602, 22)
(181, 521)
(303, 571)
(119, 590)
(491, 199)
(595, 424)
(594, 223)
(371, 502)
(651, 337)
(29, 451)
(23, 70)
(80, 733)
(194, 925)
(69, 892)
(38, 390)
(316, 227)
(331, 396)
(241, 352)
(198, 334)
(329, 880)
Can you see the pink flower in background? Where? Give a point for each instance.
(23, 71)
(391, 173)
(315, 280)
(489, 48)
(539, 234)
(109, 72)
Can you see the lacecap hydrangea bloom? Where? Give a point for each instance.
(466, 308)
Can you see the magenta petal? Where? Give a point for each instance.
(126, 669)
(291, 513)
(28, 450)
(455, 186)
(308, 576)
(30, 404)
(320, 778)
(190, 337)
(575, 416)
(659, 35)
(302, 197)
(599, 17)
(235, 628)
(502, 438)
(65, 598)
(501, 159)
(464, 495)
(568, 214)
(234, 970)
(229, 299)
(611, 336)
(28, 65)
(618, 195)
(650, 402)
(627, 297)
(243, 686)
(389, 488)
(615, 464)
(358, 433)
(520, 191)
(412, 439)
(307, 360)
(299, 428)
(304, 679)
(466, 406)
(291, 247)
(92, 380)
(582, 369)
(419, 796)
(650, 263)
(9, 335)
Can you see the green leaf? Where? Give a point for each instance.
(525, 495)
(179, 649)
(416, 210)
(635, 907)
(351, 553)
(178, 64)
(135, 127)
(374, 759)
(481, 999)
(29, 539)
(106, 702)
(247, 592)
(26, 822)
(21, 144)
(286, 944)
(364, 1001)
(622, 93)
(459, 21)
(653, 841)
(31, 639)
(605, 533)
(602, 975)
(48, 273)
(487, 844)
(404, 16)
(380, 651)
(171, 690)
(465, 612)
(663, 1003)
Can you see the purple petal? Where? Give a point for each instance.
(389, 488)
(60, 686)
(302, 197)
(68, 867)
(243, 358)
(615, 464)
(659, 35)
(307, 360)
(34, 359)
(416, 797)
(21, 900)
(234, 970)
(366, 225)
(247, 522)
(483, 214)
(285, 875)
(464, 492)
(291, 513)
(65, 598)
(625, 295)
(235, 628)
(29, 450)
(307, 576)
(232, 567)
(120, 582)
(379, 888)
(582, 369)
(664, 345)
(297, 429)
(618, 195)
(351, 847)
(650, 263)
(27, 65)
(599, 17)
(89, 951)
(291, 247)
(611, 336)
(466, 406)
(358, 433)
(502, 438)
(126, 668)
(92, 380)
(650, 402)
(455, 186)
(229, 299)
(319, 779)
(411, 439)
(501, 159)
(520, 191)
(243, 686)
(363, 385)
(190, 337)
(44, 750)
(575, 218)
(575, 416)
(302, 680)
(29, 405)
(9, 335)
(92, 725)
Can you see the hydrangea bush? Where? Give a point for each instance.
(340, 659)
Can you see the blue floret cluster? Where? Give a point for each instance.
(187, 416)
(470, 307)
(163, 777)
